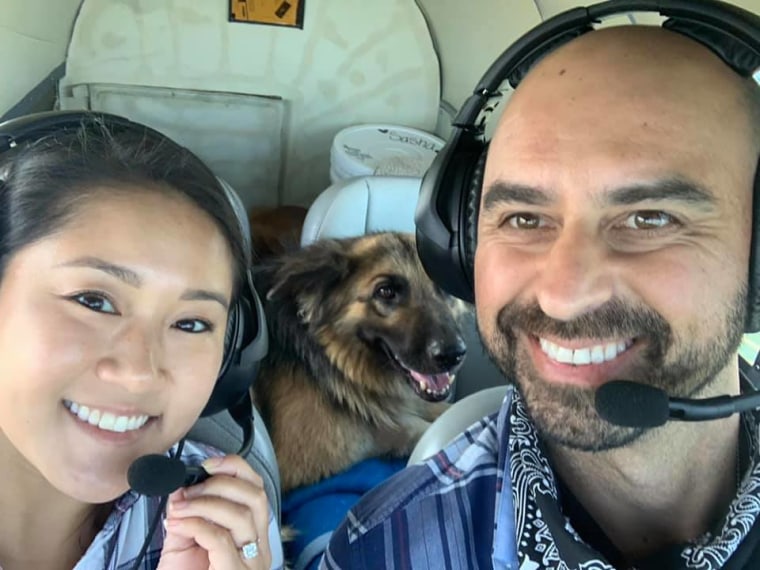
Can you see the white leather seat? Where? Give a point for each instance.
(461, 415)
(362, 205)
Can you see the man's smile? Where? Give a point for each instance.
(581, 353)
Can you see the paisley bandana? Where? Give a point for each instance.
(546, 539)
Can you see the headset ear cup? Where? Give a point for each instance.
(470, 216)
(440, 214)
(246, 336)
(226, 392)
(752, 322)
(230, 334)
(235, 377)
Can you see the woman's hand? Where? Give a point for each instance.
(214, 525)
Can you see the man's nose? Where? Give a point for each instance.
(575, 277)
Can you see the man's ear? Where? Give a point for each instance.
(305, 276)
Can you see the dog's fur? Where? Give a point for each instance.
(350, 321)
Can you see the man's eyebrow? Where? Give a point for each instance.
(130, 277)
(670, 189)
(124, 274)
(503, 192)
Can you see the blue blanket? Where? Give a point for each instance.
(315, 511)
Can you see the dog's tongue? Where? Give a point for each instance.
(436, 382)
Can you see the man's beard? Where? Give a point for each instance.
(680, 365)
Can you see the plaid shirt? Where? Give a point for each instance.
(449, 512)
(458, 510)
(117, 544)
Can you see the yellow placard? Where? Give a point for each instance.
(273, 12)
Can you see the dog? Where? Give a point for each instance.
(363, 352)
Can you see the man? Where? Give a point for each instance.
(613, 242)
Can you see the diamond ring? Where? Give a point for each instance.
(250, 550)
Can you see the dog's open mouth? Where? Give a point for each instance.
(430, 387)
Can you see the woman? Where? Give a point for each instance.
(119, 259)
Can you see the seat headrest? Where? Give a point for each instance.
(359, 206)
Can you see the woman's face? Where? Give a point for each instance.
(111, 337)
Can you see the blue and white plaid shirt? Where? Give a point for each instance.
(491, 500)
(118, 543)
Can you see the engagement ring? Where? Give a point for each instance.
(250, 550)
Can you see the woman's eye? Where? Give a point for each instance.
(193, 326)
(525, 221)
(649, 220)
(95, 302)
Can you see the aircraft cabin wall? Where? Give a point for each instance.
(34, 36)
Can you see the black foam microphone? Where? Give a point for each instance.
(157, 475)
(631, 404)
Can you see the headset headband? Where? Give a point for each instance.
(711, 23)
(447, 208)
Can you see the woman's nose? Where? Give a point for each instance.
(133, 359)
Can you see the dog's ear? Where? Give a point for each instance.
(306, 276)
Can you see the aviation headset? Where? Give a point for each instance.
(246, 340)
(447, 210)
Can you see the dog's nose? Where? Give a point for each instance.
(447, 355)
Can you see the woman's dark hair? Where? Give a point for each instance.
(43, 183)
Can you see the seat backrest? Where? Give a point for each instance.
(363, 205)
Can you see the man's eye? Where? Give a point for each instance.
(95, 302)
(649, 220)
(193, 326)
(525, 221)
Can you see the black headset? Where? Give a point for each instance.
(447, 210)
(246, 339)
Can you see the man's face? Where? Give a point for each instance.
(612, 243)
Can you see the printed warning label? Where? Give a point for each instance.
(273, 12)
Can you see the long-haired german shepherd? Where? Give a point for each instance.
(363, 351)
